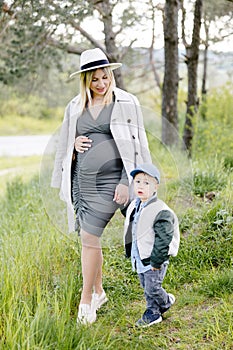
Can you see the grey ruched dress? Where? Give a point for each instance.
(96, 173)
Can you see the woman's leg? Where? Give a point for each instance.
(92, 260)
(98, 288)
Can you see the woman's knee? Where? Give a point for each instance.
(90, 240)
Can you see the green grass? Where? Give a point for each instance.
(17, 125)
(41, 283)
(14, 166)
(28, 115)
(40, 270)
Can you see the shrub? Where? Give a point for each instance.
(28, 106)
(214, 134)
(212, 178)
(228, 162)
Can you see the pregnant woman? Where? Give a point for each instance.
(102, 139)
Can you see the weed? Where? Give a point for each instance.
(228, 162)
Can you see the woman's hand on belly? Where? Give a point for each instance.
(82, 143)
(121, 195)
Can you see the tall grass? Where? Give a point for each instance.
(40, 271)
(41, 282)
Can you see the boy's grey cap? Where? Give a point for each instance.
(147, 168)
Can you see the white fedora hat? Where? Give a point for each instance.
(93, 59)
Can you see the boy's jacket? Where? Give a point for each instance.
(157, 232)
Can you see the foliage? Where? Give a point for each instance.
(27, 27)
(22, 115)
(30, 106)
(213, 135)
(213, 13)
(220, 104)
(35, 33)
(212, 178)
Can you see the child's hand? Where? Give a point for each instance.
(154, 268)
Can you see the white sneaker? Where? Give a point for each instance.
(86, 314)
(171, 298)
(98, 300)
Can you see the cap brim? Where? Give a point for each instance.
(136, 171)
(110, 65)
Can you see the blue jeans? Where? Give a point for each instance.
(157, 298)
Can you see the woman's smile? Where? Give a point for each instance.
(100, 83)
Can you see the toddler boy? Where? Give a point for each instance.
(151, 236)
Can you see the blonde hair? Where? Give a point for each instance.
(85, 91)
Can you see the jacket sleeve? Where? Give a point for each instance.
(163, 229)
(61, 151)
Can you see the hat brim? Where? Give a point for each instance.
(110, 65)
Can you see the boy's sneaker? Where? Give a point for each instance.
(98, 300)
(172, 300)
(86, 314)
(148, 319)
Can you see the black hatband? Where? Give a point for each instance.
(94, 64)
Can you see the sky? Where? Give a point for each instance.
(143, 33)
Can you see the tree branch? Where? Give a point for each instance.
(183, 23)
(87, 35)
(69, 48)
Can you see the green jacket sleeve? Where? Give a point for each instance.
(164, 229)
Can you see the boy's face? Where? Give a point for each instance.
(145, 186)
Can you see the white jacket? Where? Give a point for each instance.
(157, 235)
(128, 132)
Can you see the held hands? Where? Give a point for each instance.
(121, 194)
(82, 144)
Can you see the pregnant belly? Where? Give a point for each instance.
(102, 158)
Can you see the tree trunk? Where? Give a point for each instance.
(112, 49)
(151, 48)
(170, 83)
(105, 9)
(205, 58)
(204, 76)
(192, 55)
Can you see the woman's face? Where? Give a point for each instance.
(100, 83)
